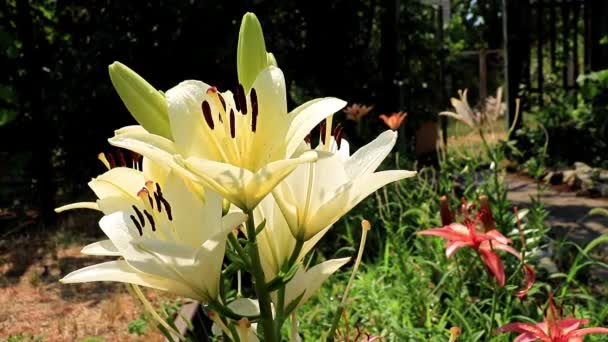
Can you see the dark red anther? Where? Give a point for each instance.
(139, 216)
(232, 124)
(322, 131)
(222, 101)
(135, 157)
(167, 208)
(254, 102)
(338, 135)
(240, 95)
(236, 101)
(121, 158)
(151, 219)
(110, 159)
(157, 198)
(219, 116)
(137, 225)
(308, 138)
(207, 114)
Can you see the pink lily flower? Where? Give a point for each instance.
(485, 244)
(554, 328)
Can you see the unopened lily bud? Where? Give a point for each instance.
(444, 211)
(485, 213)
(225, 207)
(251, 56)
(147, 105)
(271, 60)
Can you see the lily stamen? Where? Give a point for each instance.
(207, 114)
(254, 109)
(241, 99)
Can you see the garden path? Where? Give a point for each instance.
(568, 213)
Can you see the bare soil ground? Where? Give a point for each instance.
(36, 306)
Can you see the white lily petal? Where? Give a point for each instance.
(232, 220)
(311, 280)
(187, 126)
(133, 129)
(304, 118)
(77, 205)
(119, 181)
(350, 195)
(245, 307)
(194, 221)
(120, 271)
(158, 149)
(368, 158)
(268, 177)
(126, 239)
(104, 247)
(225, 179)
(208, 261)
(240, 186)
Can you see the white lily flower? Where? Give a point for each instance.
(316, 195)
(239, 145)
(170, 240)
(463, 112)
(276, 246)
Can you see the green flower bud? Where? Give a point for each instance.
(147, 105)
(251, 57)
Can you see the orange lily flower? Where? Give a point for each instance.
(394, 120)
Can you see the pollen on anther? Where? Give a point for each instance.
(143, 194)
(207, 114)
(240, 94)
(232, 124)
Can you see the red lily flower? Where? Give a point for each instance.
(485, 244)
(554, 328)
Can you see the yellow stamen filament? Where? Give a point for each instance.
(365, 227)
(148, 306)
(328, 125)
(216, 319)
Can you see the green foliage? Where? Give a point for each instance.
(138, 326)
(407, 290)
(582, 115)
(93, 339)
(24, 337)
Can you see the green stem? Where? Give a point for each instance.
(260, 284)
(280, 309)
(493, 312)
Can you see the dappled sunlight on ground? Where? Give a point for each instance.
(33, 302)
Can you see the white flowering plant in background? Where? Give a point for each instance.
(229, 186)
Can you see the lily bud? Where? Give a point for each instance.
(485, 213)
(225, 206)
(444, 211)
(147, 105)
(271, 60)
(251, 56)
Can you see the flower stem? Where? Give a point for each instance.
(493, 312)
(260, 284)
